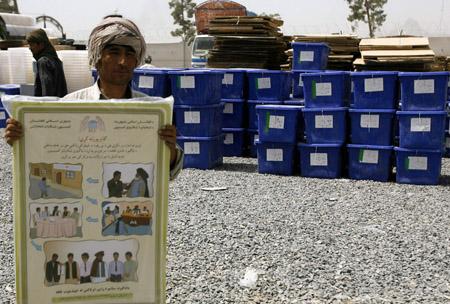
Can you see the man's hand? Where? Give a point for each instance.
(13, 131)
(168, 133)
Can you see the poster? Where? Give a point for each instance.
(90, 196)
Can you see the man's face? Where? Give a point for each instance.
(36, 48)
(70, 258)
(84, 258)
(128, 257)
(117, 177)
(117, 64)
(116, 257)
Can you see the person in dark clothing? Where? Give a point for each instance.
(52, 271)
(50, 79)
(115, 185)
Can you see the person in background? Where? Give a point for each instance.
(99, 272)
(75, 215)
(53, 271)
(43, 187)
(36, 216)
(50, 79)
(115, 48)
(71, 270)
(56, 211)
(66, 212)
(45, 214)
(85, 269)
(115, 185)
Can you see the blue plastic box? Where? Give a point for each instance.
(252, 137)
(325, 126)
(233, 142)
(447, 145)
(375, 90)
(3, 116)
(326, 89)
(233, 113)
(234, 83)
(423, 91)
(420, 167)
(421, 129)
(294, 102)
(310, 56)
(371, 127)
(275, 158)
(94, 74)
(200, 121)
(370, 162)
(320, 160)
(252, 117)
(152, 82)
(202, 152)
(297, 82)
(196, 87)
(269, 85)
(10, 89)
(278, 123)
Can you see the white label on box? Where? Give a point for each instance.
(352, 87)
(370, 121)
(2, 115)
(255, 138)
(425, 86)
(448, 84)
(420, 124)
(191, 148)
(417, 163)
(228, 108)
(306, 56)
(229, 139)
(228, 79)
(264, 83)
(146, 82)
(300, 81)
(324, 89)
(324, 122)
(318, 159)
(373, 85)
(191, 117)
(369, 157)
(275, 155)
(187, 82)
(276, 122)
(447, 143)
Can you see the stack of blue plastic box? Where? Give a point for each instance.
(198, 116)
(327, 95)
(265, 87)
(153, 82)
(421, 127)
(372, 118)
(233, 97)
(7, 89)
(447, 132)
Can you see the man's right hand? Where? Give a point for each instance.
(13, 131)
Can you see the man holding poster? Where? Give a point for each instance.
(115, 48)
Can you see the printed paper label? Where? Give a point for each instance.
(191, 148)
(228, 108)
(324, 122)
(319, 159)
(276, 122)
(373, 85)
(264, 83)
(368, 156)
(300, 81)
(420, 124)
(228, 79)
(2, 115)
(417, 163)
(229, 139)
(275, 155)
(146, 82)
(352, 87)
(191, 117)
(324, 89)
(370, 121)
(425, 86)
(306, 56)
(187, 82)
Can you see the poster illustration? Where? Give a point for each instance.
(90, 196)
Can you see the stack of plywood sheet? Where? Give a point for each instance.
(250, 42)
(343, 49)
(398, 54)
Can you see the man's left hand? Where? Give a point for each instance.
(168, 133)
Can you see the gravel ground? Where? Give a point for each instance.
(304, 240)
